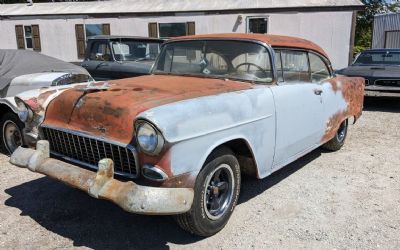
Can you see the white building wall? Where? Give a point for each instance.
(330, 30)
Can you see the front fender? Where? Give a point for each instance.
(195, 127)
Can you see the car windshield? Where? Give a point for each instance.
(133, 50)
(381, 57)
(238, 60)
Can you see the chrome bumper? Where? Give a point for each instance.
(102, 185)
(376, 90)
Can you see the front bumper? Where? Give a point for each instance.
(102, 185)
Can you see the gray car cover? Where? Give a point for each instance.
(14, 63)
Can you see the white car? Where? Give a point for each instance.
(27, 70)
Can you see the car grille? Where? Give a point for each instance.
(391, 83)
(89, 151)
(366, 82)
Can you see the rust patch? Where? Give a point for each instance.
(163, 160)
(352, 89)
(184, 180)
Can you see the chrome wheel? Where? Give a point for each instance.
(342, 131)
(12, 136)
(219, 187)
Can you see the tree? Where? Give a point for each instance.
(365, 20)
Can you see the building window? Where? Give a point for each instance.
(166, 30)
(172, 29)
(93, 30)
(83, 31)
(28, 37)
(257, 25)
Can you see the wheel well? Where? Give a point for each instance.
(5, 109)
(241, 149)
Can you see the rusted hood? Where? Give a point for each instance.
(110, 112)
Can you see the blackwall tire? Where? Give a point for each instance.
(11, 133)
(337, 142)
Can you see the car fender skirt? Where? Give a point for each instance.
(102, 185)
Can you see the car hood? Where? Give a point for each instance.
(385, 71)
(109, 109)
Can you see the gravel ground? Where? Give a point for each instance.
(344, 200)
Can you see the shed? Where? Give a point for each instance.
(386, 33)
(59, 29)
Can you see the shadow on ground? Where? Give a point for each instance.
(99, 224)
(382, 104)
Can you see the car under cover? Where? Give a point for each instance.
(14, 63)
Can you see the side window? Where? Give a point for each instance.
(319, 70)
(295, 66)
(278, 65)
(100, 51)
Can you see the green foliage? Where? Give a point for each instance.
(365, 20)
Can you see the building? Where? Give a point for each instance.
(386, 32)
(60, 29)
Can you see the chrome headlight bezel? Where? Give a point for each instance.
(157, 146)
(25, 113)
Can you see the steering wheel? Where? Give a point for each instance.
(248, 66)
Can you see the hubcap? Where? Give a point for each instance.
(341, 134)
(218, 191)
(11, 136)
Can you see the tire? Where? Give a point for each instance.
(337, 142)
(11, 133)
(202, 219)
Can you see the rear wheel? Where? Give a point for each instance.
(215, 195)
(11, 133)
(337, 142)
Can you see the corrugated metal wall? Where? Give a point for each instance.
(385, 27)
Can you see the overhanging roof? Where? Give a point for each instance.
(167, 6)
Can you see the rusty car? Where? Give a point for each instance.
(177, 142)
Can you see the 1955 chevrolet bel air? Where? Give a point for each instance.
(177, 141)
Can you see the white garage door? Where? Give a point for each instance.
(392, 39)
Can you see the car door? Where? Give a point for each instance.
(100, 61)
(299, 107)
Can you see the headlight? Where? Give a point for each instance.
(148, 138)
(25, 114)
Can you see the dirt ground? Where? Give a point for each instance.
(344, 200)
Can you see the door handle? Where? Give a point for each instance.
(85, 65)
(318, 91)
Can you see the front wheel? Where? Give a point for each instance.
(11, 133)
(216, 193)
(337, 142)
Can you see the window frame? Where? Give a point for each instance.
(248, 18)
(324, 59)
(25, 37)
(101, 41)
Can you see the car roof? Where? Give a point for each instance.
(139, 38)
(272, 40)
(382, 50)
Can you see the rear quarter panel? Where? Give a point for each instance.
(343, 99)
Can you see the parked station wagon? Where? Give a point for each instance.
(176, 142)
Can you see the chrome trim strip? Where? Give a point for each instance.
(78, 133)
